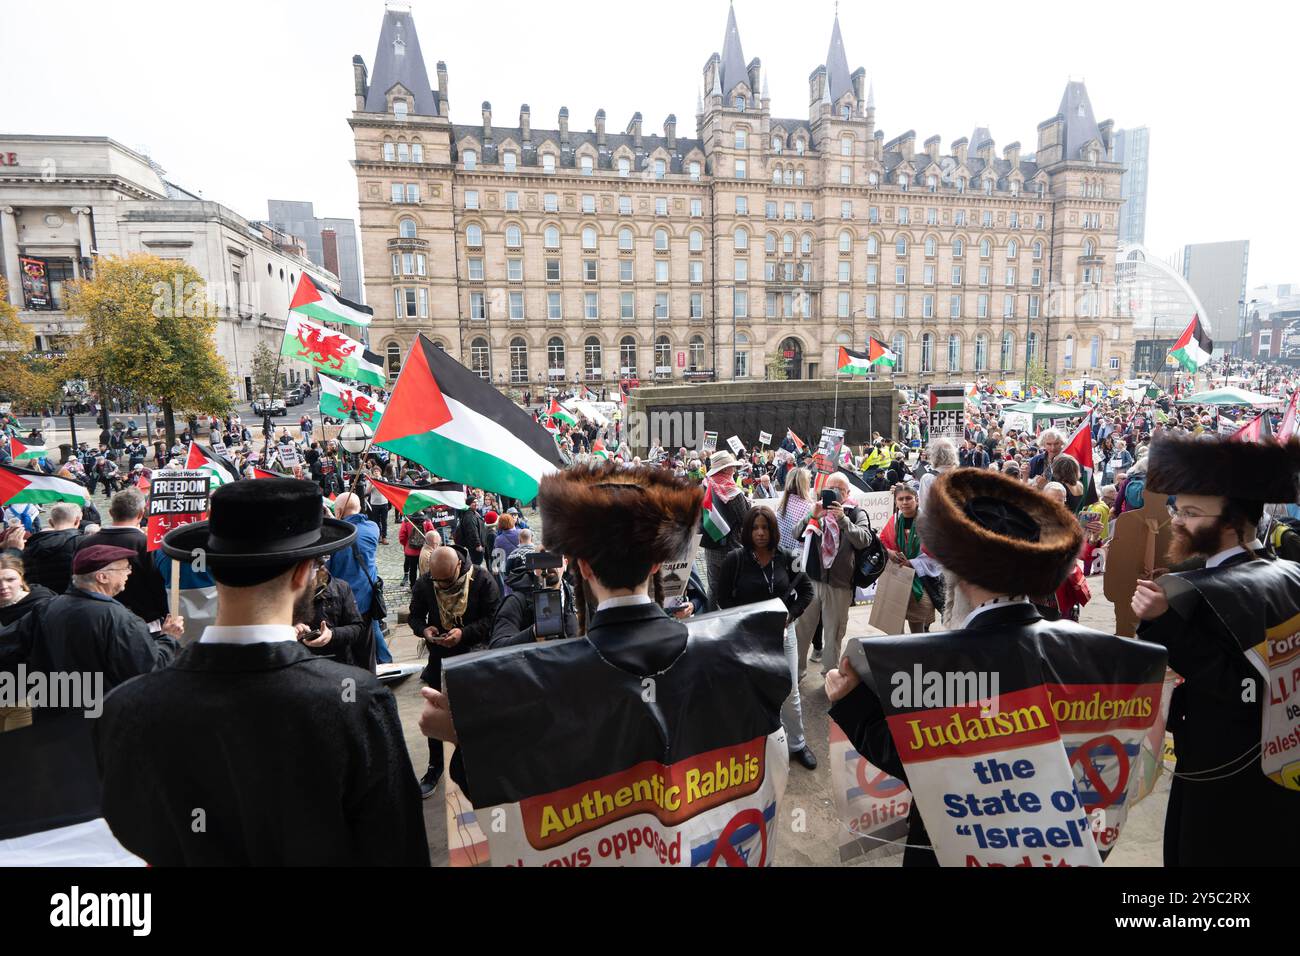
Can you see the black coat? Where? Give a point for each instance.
(471, 534)
(13, 641)
(742, 581)
(733, 512)
(145, 592)
(480, 610)
(352, 643)
(1217, 733)
(293, 774)
(47, 558)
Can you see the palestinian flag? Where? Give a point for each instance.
(408, 499)
(21, 486)
(330, 352)
(1287, 430)
(263, 473)
(853, 363)
(446, 418)
(798, 442)
(1079, 448)
(598, 450)
(340, 401)
(311, 300)
(557, 413)
(715, 526)
(1258, 429)
(18, 451)
(1193, 348)
(222, 471)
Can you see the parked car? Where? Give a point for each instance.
(264, 405)
(294, 396)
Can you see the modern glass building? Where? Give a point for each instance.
(1157, 300)
(1132, 149)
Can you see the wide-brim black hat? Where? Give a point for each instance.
(259, 523)
(1251, 471)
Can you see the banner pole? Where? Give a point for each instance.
(175, 599)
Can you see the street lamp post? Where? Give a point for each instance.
(355, 438)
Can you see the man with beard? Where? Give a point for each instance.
(1214, 620)
(290, 758)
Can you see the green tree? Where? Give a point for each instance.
(149, 328)
(1037, 375)
(778, 368)
(29, 381)
(266, 374)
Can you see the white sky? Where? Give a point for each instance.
(246, 101)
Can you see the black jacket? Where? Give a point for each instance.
(295, 774)
(352, 642)
(145, 593)
(47, 558)
(13, 646)
(742, 581)
(514, 619)
(733, 512)
(480, 610)
(471, 534)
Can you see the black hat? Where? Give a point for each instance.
(1249, 471)
(262, 523)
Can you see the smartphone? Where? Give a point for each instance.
(548, 613)
(829, 497)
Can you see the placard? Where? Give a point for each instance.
(675, 575)
(828, 450)
(176, 497)
(288, 456)
(947, 411)
(878, 505)
(710, 443)
(765, 438)
(736, 445)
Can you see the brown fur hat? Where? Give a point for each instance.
(979, 523)
(596, 512)
(1249, 471)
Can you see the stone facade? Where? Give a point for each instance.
(539, 255)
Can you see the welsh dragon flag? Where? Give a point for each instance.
(558, 413)
(408, 499)
(208, 460)
(715, 526)
(21, 486)
(18, 451)
(340, 401)
(320, 304)
(1193, 348)
(448, 419)
(331, 352)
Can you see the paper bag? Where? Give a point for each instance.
(893, 591)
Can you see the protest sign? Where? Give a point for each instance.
(828, 453)
(893, 591)
(595, 766)
(288, 455)
(710, 443)
(879, 506)
(675, 575)
(765, 438)
(1019, 752)
(872, 805)
(219, 448)
(1138, 546)
(1018, 421)
(176, 498)
(736, 445)
(947, 411)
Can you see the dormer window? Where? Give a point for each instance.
(399, 109)
(961, 184)
(777, 145)
(903, 181)
(588, 166)
(508, 160)
(799, 146)
(548, 162)
(1015, 189)
(661, 168)
(740, 103)
(471, 158)
(845, 111)
(932, 183)
(988, 187)
(624, 167)
(1092, 157)
(873, 179)
(1081, 112)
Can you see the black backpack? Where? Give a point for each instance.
(869, 562)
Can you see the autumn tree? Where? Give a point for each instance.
(149, 328)
(27, 380)
(266, 370)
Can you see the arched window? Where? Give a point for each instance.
(518, 361)
(1038, 249)
(777, 145)
(555, 357)
(798, 177)
(1031, 348)
(769, 243)
(986, 248)
(1067, 357)
(697, 352)
(1089, 247)
(388, 152)
(663, 356)
(846, 145)
(899, 348)
(589, 237)
(931, 246)
(1013, 248)
(799, 146)
(805, 243)
(514, 237)
(592, 357)
(958, 249)
(474, 236)
(788, 178)
(742, 139)
(661, 240)
(846, 242)
(417, 153)
(927, 352)
(787, 243)
(552, 237)
(981, 353)
(900, 246)
(742, 238)
(696, 241)
(627, 356)
(873, 246)
(776, 176)
(1008, 350)
(625, 239)
(954, 352)
(480, 359)
(406, 228)
(403, 153)
(394, 354)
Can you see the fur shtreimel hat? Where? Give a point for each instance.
(1249, 471)
(605, 510)
(999, 534)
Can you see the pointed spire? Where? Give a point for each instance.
(871, 96)
(1080, 125)
(765, 96)
(699, 103)
(717, 82)
(399, 61)
(733, 57)
(837, 65)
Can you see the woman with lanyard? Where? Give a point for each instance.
(759, 571)
(902, 542)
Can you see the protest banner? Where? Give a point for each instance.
(288, 455)
(828, 454)
(947, 411)
(1018, 421)
(879, 506)
(709, 444)
(176, 497)
(893, 591)
(219, 448)
(595, 766)
(736, 445)
(674, 575)
(765, 438)
(1019, 752)
(872, 805)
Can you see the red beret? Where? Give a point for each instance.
(90, 560)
